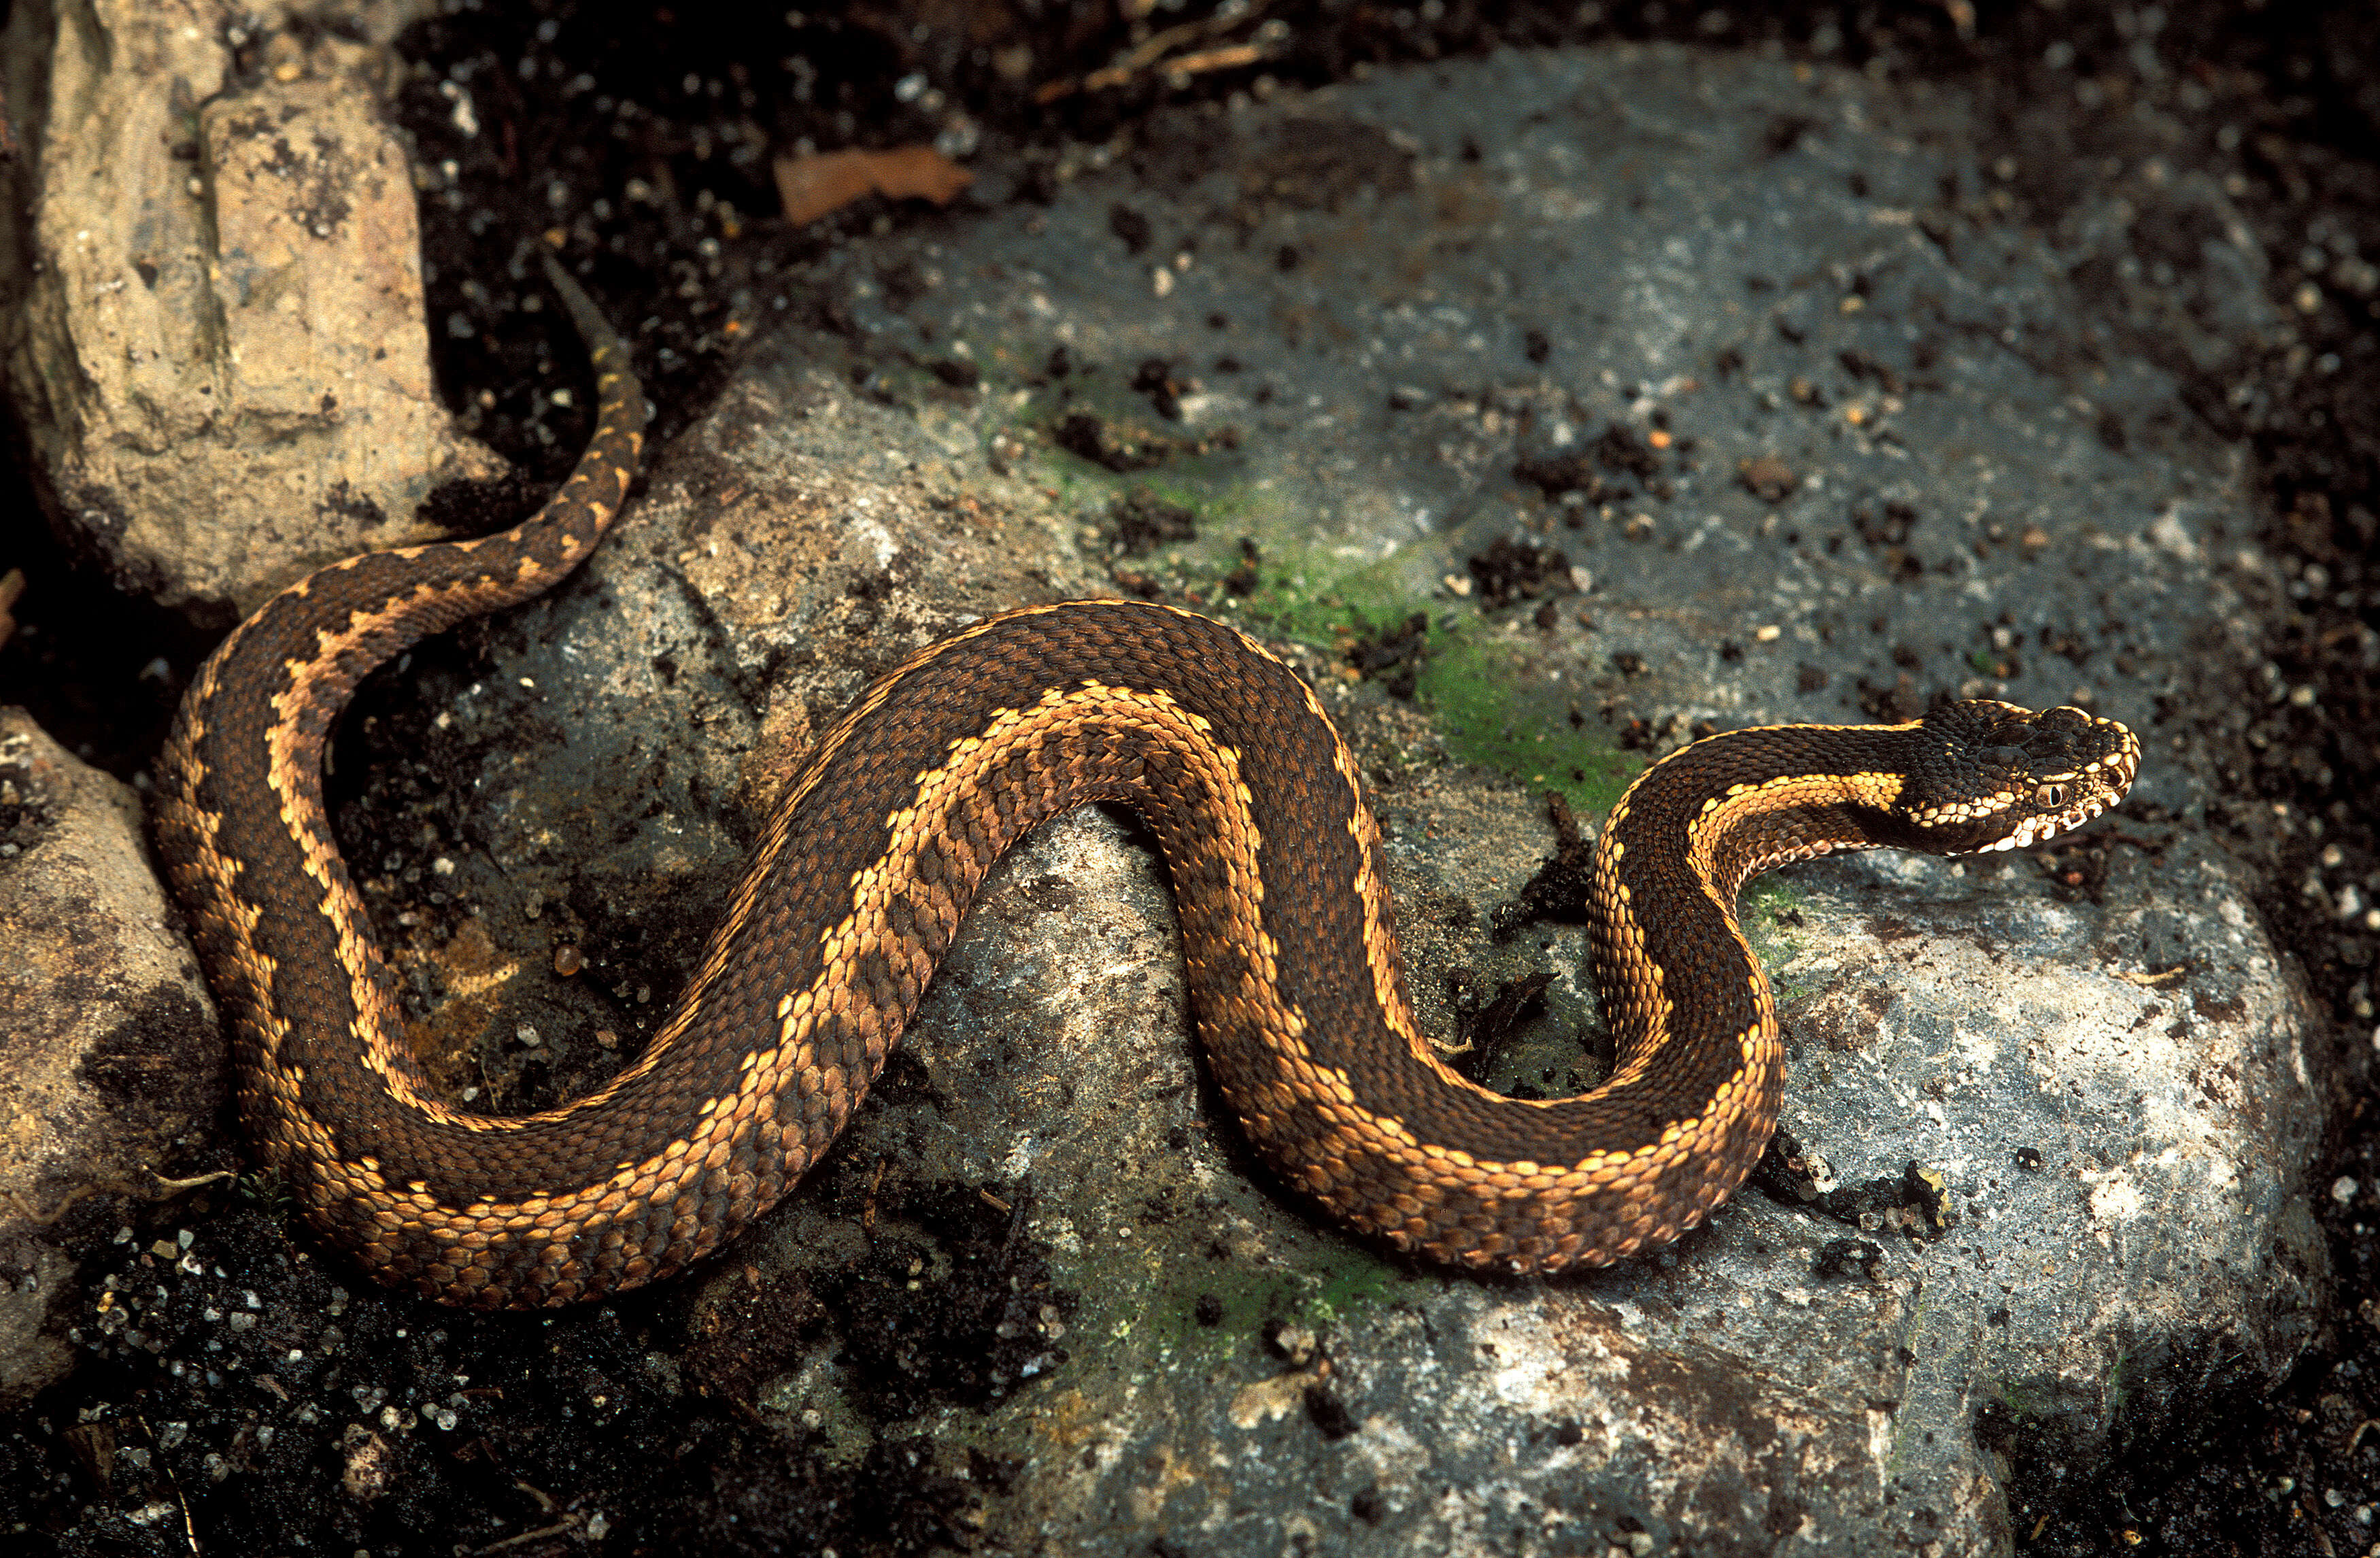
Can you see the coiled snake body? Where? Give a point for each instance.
(869, 866)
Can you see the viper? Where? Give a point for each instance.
(872, 859)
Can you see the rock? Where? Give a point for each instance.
(1950, 1024)
(218, 350)
(112, 1072)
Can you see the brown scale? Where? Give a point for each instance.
(833, 934)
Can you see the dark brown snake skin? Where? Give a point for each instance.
(873, 859)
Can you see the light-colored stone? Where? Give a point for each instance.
(219, 352)
(112, 1072)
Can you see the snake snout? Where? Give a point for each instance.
(2003, 777)
(2083, 765)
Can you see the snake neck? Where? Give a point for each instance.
(1731, 806)
(1677, 851)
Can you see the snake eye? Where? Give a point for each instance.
(2049, 794)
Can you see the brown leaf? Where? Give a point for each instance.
(826, 181)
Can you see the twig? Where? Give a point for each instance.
(561, 1527)
(1152, 50)
(189, 1530)
(2149, 981)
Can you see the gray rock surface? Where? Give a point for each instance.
(1863, 454)
(214, 331)
(111, 1074)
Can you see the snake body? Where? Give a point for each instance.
(881, 844)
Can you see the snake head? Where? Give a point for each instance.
(1991, 775)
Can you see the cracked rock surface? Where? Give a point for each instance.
(221, 362)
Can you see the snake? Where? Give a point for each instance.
(867, 867)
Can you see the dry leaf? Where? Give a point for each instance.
(826, 181)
